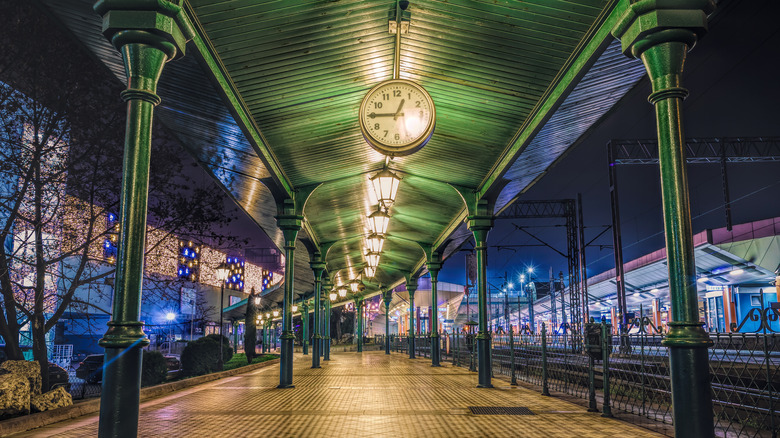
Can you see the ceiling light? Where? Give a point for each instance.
(375, 242)
(737, 272)
(385, 186)
(372, 258)
(654, 291)
(378, 221)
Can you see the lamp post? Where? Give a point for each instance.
(222, 272)
(170, 316)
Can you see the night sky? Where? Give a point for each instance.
(732, 76)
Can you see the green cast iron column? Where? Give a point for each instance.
(304, 326)
(317, 268)
(290, 225)
(480, 227)
(411, 287)
(433, 269)
(359, 312)
(662, 38)
(388, 297)
(327, 286)
(145, 49)
(326, 341)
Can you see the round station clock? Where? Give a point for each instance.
(397, 117)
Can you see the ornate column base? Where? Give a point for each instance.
(483, 359)
(286, 375)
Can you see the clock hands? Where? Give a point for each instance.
(393, 115)
(398, 111)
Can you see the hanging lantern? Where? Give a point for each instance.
(333, 295)
(375, 242)
(369, 272)
(372, 259)
(294, 308)
(342, 291)
(378, 221)
(276, 313)
(385, 186)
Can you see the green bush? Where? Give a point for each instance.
(201, 356)
(227, 351)
(155, 368)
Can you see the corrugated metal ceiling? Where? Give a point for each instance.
(301, 68)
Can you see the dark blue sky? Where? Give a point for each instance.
(734, 91)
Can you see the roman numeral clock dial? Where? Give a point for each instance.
(397, 117)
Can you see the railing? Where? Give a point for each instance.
(634, 377)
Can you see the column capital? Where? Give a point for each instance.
(290, 225)
(433, 269)
(160, 23)
(411, 286)
(318, 268)
(647, 23)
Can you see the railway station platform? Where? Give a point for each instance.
(358, 394)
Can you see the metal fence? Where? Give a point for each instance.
(635, 376)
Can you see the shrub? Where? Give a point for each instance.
(227, 351)
(155, 368)
(201, 356)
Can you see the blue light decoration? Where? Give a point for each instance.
(268, 277)
(112, 238)
(189, 261)
(235, 278)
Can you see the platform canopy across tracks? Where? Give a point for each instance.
(267, 100)
(271, 98)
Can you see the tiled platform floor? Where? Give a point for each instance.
(357, 395)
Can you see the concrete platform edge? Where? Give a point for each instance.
(40, 419)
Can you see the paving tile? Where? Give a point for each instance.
(368, 394)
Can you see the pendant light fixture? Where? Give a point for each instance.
(375, 242)
(378, 221)
(372, 259)
(385, 185)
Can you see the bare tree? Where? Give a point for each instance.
(61, 140)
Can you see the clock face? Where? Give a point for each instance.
(397, 117)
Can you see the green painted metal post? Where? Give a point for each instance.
(606, 346)
(327, 286)
(512, 377)
(317, 267)
(266, 347)
(388, 297)
(433, 318)
(290, 224)
(304, 326)
(660, 35)
(480, 228)
(147, 38)
(326, 341)
(411, 287)
(235, 336)
(592, 405)
(545, 385)
(359, 313)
